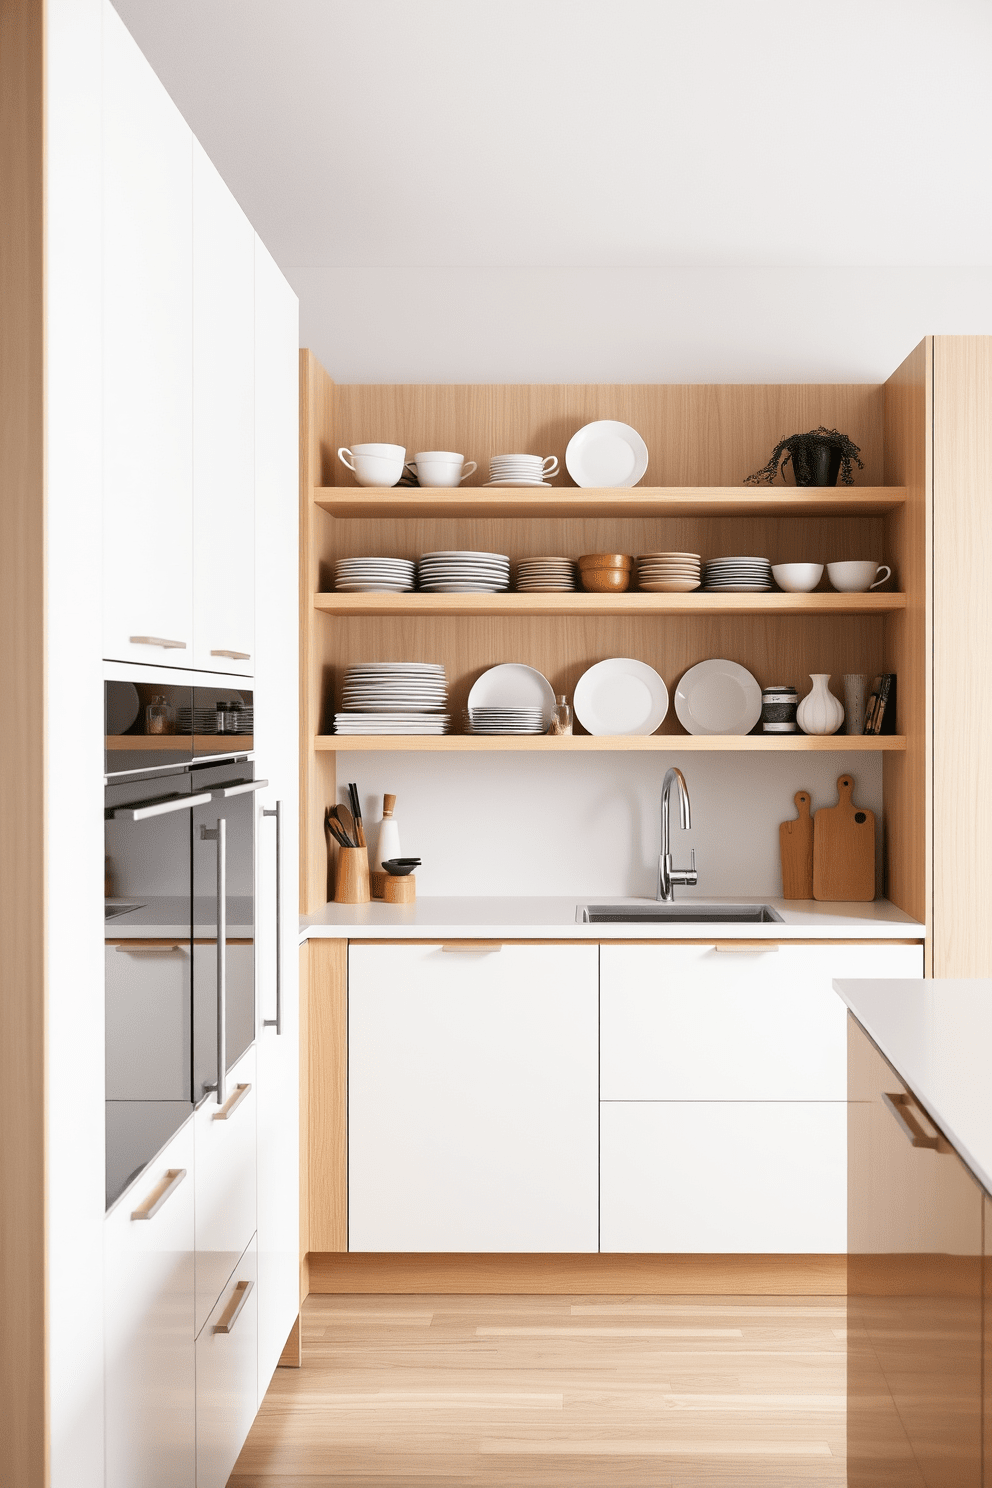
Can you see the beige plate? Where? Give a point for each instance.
(669, 586)
(642, 557)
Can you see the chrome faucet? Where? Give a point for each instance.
(668, 876)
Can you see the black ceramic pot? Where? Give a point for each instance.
(818, 465)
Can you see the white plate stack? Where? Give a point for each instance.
(545, 575)
(669, 573)
(505, 721)
(375, 575)
(521, 470)
(738, 575)
(464, 573)
(394, 697)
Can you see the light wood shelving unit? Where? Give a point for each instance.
(625, 744)
(506, 606)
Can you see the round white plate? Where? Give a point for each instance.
(513, 685)
(606, 453)
(519, 483)
(621, 696)
(123, 706)
(472, 553)
(718, 697)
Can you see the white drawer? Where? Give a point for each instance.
(148, 1322)
(227, 1375)
(723, 1177)
(225, 1185)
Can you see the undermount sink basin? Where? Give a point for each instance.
(686, 913)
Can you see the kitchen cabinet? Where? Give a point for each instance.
(148, 1326)
(472, 1097)
(227, 1374)
(225, 1183)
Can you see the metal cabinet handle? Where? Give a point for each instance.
(276, 1022)
(234, 655)
(218, 834)
(148, 948)
(241, 1293)
(476, 947)
(158, 1196)
(233, 1102)
(157, 641)
(900, 1105)
(224, 791)
(160, 808)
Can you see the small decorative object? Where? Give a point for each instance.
(778, 710)
(160, 716)
(351, 880)
(817, 458)
(855, 695)
(561, 721)
(820, 712)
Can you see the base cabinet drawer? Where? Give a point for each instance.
(225, 1184)
(148, 1322)
(227, 1375)
(723, 1176)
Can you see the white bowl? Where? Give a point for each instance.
(797, 578)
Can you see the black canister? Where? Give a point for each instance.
(778, 710)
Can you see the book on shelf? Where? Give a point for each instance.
(880, 714)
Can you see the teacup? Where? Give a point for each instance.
(797, 578)
(440, 468)
(857, 576)
(374, 464)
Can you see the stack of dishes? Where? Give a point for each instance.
(669, 573)
(510, 699)
(521, 470)
(464, 573)
(196, 721)
(394, 697)
(505, 721)
(375, 575)
(545, 575)
(738, 575)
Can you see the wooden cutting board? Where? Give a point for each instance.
(844, 848)
(795, 839)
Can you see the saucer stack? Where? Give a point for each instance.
(738, 575)
(545, 575)
(669, 573)
(464, 573)
(521, 470)
(505, 721)
(375, 575)
(394, 697)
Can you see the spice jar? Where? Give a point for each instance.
(160, 716)
(778, 710)
(561, 718)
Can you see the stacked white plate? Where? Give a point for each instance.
(394, 697)
(738, 575)
(669, 573)
(464, 573)
(515, 694)
(545, 575)
(506, 721)
(375, 575)
(521, 470)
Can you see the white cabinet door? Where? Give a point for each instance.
(472, 1098)
(147, 361)
(724, 1176)
(223, 417)
(148, 1327)
(697, 1023)
(276, 699)
(227, 1375)
(225, 1184)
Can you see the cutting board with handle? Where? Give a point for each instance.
(795, 840)
(844, 848)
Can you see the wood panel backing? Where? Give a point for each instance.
(305, 1119)
(327, 1101)
(23, 1363)
(962, 655)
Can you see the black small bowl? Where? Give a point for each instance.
(400, 867)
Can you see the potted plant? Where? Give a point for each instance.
(817, 457)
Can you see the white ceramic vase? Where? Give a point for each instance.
(820, 712)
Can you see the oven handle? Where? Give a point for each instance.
(276, 1022)
(160, 808)
(239, 790)
(218, 834)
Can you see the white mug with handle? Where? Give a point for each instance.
(374, 464)
(858, 576)
(440, 468)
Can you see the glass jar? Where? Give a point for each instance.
(561, 718)
(160, 716)
(778, 710)
(220, 714)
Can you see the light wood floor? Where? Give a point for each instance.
(580, 1391)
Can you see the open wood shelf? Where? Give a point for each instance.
(395, 502)
(588, 743)
(580, 603)
(200, 743)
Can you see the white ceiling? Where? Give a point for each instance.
(631, 134)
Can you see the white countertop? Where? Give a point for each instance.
(937, 1035)
(554, 919)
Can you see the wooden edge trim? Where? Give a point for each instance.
(292, 1354)
(696, 940)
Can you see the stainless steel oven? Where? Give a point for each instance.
(179, 923)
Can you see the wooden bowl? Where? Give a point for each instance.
(606, 560)
(605, 580)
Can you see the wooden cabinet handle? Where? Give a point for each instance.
(158, 1196)
(232, 1103)
(234, 655)
(901, 1107)
(241, 1294)
(477, 947)
(162, 641)
(756, 947)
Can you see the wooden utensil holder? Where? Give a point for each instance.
(351, 877)
(377, 882)
(400, 890)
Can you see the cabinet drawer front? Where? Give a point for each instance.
(148, 1319)
(225, 1187)
(694, 1023)
(723, 1176)
(227, 1375)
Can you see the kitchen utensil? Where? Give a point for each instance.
(356, 811)
(718, 697)
(346, 822)
(336, 830)
(606, 453)
(375, 575)
(606, 560)
(858, 576)
(351, 876)
(620, 696)
(449, 572)
(738, 575)
(399, 867)
(844, 849)
(795, 840)
(374, 464)
(605, 580)
(513, 685)
(440, 468)
(522, 470)
(797, 578)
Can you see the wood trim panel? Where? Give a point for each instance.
(305, 1119)
(292, 1354)
(327, 1097)
(23, 1242)
(658, 1275)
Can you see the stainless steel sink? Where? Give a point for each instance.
(688, 912)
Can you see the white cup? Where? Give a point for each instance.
(797, 578)
(858, 576)
(374, 464)
(440, 468)
(536, 467)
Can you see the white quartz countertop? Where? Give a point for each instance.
(555, 919)
(937, 1035)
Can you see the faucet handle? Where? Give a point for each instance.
(692, 860)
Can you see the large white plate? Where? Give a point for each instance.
(621, 696)
(718, 697)
(606, 453)
(513, 685)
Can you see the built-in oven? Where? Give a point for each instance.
(179, 926)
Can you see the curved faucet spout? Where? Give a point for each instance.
(668, 876)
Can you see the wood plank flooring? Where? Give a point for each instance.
(525, 1390)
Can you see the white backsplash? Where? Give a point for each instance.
(589, 824)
